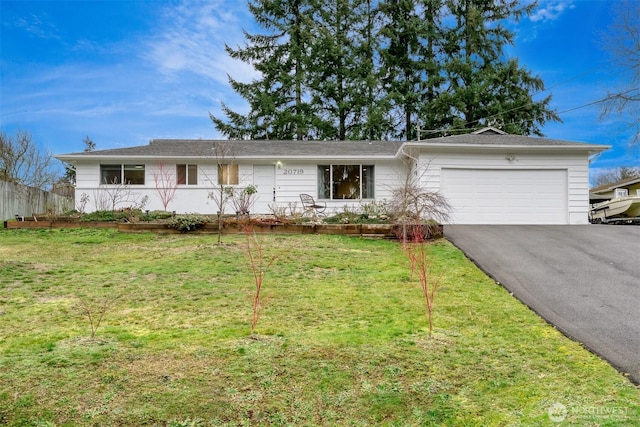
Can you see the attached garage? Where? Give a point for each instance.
(489, 177)
(506, 196)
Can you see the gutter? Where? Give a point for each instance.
(580, 147)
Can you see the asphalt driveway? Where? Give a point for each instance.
(584, 279)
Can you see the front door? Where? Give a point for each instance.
(264, 178)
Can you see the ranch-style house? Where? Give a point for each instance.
(488, 177)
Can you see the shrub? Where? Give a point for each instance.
(106, 216)
(187, 222)
(375, 209)
(243, 199)
(418, 231)
(279, 212)
(372, 213)
(156, 215)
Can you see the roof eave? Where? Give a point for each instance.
(592, 148)
(75, 157)
(615, 185)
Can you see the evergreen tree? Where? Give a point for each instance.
(402, 71)
(341, 67)
(482, 88)
(366, 69)
(278, 109)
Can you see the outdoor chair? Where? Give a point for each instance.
(309, 205)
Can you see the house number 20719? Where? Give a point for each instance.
(292, 171)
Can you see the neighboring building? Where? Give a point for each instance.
(622, 188)
(488, 177)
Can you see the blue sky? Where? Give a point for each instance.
(124, 72)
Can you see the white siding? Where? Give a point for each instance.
(295, 177)
(291, 180)
(578, 176)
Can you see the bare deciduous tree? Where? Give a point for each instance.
(166, 184)
(411, 204)
(615, 175)
(223, 154)
(95, 310)
(422, 263)
(259, 263)
(22, 162)
(622, 41)
(115, 193)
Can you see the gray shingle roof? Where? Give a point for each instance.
(497, 139)
(194, 148)
(205, 148)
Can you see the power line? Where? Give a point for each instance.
(599, 101)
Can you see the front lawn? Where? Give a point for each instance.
(342, 340)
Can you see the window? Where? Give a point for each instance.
(118, 174)
(187, 174)
(134, 174)
(110, 174)
(621, 192)
(345, 182)
(228, 174)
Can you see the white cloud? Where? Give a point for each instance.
(550, 10)
(191, 39)
(38, 26)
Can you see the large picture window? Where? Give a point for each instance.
(119, 174)
(345, 182)
(187, 174)
(228, 174)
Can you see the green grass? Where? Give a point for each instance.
(342, 340)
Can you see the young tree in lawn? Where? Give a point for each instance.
(259, 262)
(95, 310)
(417, 251)
(166, 184)
(419, 211)
(223, 155)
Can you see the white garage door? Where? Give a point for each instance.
(498, 196)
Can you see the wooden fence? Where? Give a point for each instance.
(16, 199)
